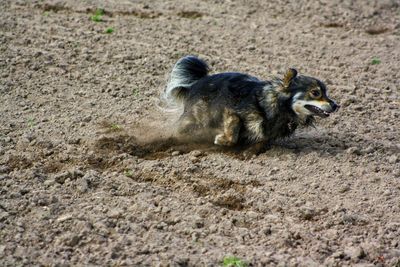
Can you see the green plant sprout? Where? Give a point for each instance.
(135, 92)
(128, 173)
(109, 30)
(234, 262)
(115, 127)
(98, 15)
(31, 123)
(375, 61)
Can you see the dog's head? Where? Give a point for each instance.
(308, 95)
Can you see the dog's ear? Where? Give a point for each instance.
(288, 77)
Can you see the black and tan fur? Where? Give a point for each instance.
(240, 108)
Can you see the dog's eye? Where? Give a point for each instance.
(315, 93)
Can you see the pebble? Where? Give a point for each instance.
(369, 150)
(393, 159)
(273, 171)
(71, 175)
(72, 240)
(74, 141)
(49, 182)
(162, 226)
(307, 213)
(338, 255)
(196, 153)
(4, 177)
(344, 189)
(175, 153)
(353, 219)
(267, 230)
(115, 213)
(4, 169)
(354, 253)
(348, 101)
(83, 186)
(61, 177)
(64, 217)
(3, 215)
(87, 119)
(353, 150)
(387, 193)
(198, 223)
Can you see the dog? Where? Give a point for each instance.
(241, 109)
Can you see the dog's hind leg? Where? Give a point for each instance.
(231, 124)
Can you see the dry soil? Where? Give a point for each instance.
(88, 175)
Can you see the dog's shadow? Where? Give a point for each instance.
(159, 148)
(323, 144)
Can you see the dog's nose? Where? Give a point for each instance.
(334, 106)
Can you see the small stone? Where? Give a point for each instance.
(195, 236)
(116, 213)
(369, 150)
(175, 153)
(393, 159)
(338, 255)
(61, 177)
(353, 219)
(267, 230)
(4, 177)
(4, 169)
(72, 241)
(83, 186)
(199, 223)
(307, 213)
(76, 173)
(64, 217)
(3, 215)
(74, 141)
(394, 254)
(29, 137)
(194, 159)
(387, 193)
(161, 226)
(344, 189)
(196, 153)
(354, 252)
(273, 171)
(87, 119)
(49, 182)
(213, 228)
(353, 150)
(2, 250)
(348, 101)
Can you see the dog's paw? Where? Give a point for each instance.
(221, 140)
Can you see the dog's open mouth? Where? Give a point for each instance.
(317, 111)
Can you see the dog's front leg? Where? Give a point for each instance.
(231, 124)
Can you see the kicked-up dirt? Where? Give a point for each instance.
(90, 174)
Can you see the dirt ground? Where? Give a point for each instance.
(88, 175)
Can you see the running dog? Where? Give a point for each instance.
(241, 109)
